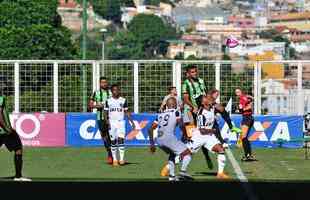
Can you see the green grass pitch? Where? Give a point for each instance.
(88, 164)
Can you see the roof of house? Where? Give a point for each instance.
(67, 4)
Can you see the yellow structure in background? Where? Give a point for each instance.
(270, 70)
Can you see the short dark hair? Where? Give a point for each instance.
(212, 91)
(114, 85)
(191, 67)
(171, 88)
(103, 78)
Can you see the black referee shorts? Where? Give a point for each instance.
(247, 120)
(11, 141)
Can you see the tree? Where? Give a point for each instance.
(36, 42)
(150, 31)
(32, 30)
(145, 38)
(23, 13)
(152, 2)
(125, 46)
(108, 9)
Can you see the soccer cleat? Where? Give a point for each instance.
(173, 179)
(222, 176)
(248, 158)
(122, 162)
(164, 171)
(185, 176)
(22, 179)
(110, 160)
(115, 163)
(252, 158)
(245, 159)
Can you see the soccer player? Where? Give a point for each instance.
(214, 93)
(172, 93)
(116, 107)
(193, 88)
(204, 134)
(166, 123)
(97, 101)
(246, 108)
(10, 138)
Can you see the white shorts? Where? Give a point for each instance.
(117, 129)
(170, 144)
(198, 140)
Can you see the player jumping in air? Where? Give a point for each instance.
(246, 108)
(116, 107)
(98, 100)
(214, 93)
(204, 134)
(167, 141)
(10, 138)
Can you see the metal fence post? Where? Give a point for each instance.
(177, 76)
(300, 100)
(16, 87)
(218, 79)
(257, 87)
(136, 86)
(55, 87)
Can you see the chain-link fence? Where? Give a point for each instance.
(65, 86)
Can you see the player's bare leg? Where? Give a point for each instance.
(221, 160)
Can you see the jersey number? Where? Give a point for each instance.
(163, 120)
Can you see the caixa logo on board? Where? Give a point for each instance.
(28, 126)
(89, 131)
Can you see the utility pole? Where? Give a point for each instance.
(84, 49)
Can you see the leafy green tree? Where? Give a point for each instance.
(152, 2)
(108, 9)
(36, 42)
(23, 13)
(125, 46)
(150, 31)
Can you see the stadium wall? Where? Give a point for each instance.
(80, 130)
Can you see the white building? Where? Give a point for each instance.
(252, 47)
(279, 98)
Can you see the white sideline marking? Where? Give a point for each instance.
(243, 179)
(236, 166)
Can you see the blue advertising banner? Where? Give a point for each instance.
(268, 130)
(82, 130)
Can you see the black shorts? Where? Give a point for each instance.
(247, 120)
(11, 141)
